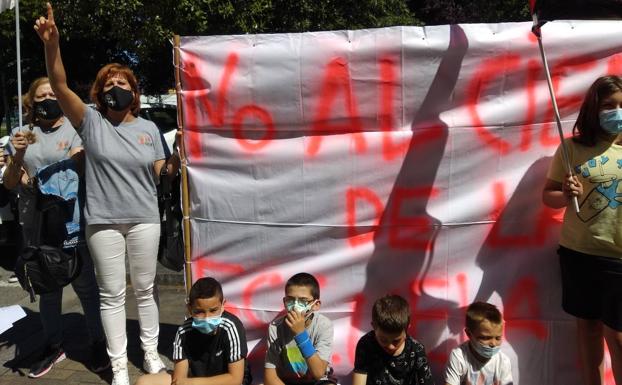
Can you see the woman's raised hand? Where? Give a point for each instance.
(46, 28)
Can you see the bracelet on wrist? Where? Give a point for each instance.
(306, 348)
(304, 344)
(301, 337)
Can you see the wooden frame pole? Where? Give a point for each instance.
(185, 200)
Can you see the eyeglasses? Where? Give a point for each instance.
(301, 301)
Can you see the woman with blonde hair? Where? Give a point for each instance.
(46, 139)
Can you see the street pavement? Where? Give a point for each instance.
(20, 344)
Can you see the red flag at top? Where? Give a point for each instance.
(532, 4)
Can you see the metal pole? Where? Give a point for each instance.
(19, 66)
(537, 31)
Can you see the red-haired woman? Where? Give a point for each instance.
(124, 156)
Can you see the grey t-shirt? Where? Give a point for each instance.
(120, 180)
(283, 353)
(49, 147)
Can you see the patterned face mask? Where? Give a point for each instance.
(118, 98)
(298, 306)
(47, 109)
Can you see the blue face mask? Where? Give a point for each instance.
(206, 325)
(485, 351)
(611, 121)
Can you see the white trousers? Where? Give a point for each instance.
(108, 245)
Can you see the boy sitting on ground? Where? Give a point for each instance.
(300, 342)
(479, 360)
(210, 346)
(387, 355)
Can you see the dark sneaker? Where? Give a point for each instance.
(46, 360)
(13, 279)
(99, 360)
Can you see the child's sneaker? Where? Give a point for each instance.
(152, 362)
(13, 279)
(119, 373)
(45, 362)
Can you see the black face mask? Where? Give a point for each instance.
(118, 98)
(47, 109)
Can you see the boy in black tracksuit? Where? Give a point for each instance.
(210, 344)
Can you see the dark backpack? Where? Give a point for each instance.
(45, 267)
(171, 249)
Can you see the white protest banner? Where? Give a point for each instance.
(406, 160)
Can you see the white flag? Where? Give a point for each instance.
(6, 4)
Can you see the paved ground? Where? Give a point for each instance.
(19, 344)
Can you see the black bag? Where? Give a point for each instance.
(5, 195)
(171, 250)
(45, 267)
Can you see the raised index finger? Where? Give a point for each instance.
(50, 12)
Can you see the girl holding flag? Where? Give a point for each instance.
(590, 245)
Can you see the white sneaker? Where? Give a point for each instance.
(152, 362)
(119, 373)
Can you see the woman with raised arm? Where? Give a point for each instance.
(124, 157)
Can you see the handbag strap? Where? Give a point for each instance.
(38, 213)
(165, 182)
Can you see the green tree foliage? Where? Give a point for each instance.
(139, 32)
(218, 17)
(435, 12)
(93, 33)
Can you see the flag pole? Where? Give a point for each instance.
(19, 66)
(536, 30)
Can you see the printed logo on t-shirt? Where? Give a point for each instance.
(62, 145)
(601, 172)
(294, 359)
(145, 139)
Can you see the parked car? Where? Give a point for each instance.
(165, 117)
